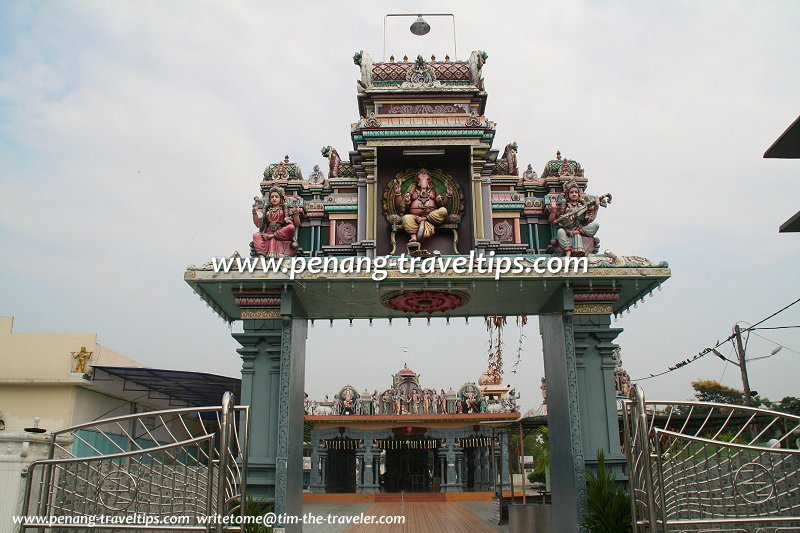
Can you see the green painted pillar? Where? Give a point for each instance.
(273, 375)
(567, 466)
(594, 350)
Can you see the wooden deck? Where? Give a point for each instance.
(439, 516)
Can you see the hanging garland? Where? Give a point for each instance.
(407, 444)
(344, 444)
(474, 442)
(522, 320)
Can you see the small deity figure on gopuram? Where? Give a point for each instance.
(423, 207)
(276, 222)
(573, 214)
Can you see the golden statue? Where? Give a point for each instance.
(82, 358)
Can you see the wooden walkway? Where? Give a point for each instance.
(433, 517)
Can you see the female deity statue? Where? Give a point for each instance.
(276, 223)
(574, 215)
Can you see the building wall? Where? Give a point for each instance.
(21, 403)
(47, 357)
(37, 378)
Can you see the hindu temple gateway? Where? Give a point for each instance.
(424, 179)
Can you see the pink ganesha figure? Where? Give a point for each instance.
(423, 207)
(276, 224)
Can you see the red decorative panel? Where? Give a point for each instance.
(425, 301)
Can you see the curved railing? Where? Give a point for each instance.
(696, 466)
(162, 464)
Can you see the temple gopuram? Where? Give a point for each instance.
(424, 121)
(424, 181)
(398, 438)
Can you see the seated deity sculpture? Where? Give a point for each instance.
(276, 223)
(422, 206)
(573, 214)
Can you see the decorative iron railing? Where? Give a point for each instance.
(710, 467)
(161, 470)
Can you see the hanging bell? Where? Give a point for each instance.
(420, 27)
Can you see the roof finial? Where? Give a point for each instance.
(558, 154)
(286, 158)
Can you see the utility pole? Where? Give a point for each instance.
(748, 398)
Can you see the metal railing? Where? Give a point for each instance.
(143, 471)
(696, 466)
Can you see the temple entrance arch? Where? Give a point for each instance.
(410, 112)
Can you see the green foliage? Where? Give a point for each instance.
(608, 505)
(540, 450)
(789, 404)
(533, 477)
(709, 390)
(254, 507)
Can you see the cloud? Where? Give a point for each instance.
(133, 136)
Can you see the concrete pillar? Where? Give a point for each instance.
(316, 478)
(567, 464)
(505, 474)
(323, 460)
(462, 468)
(360, 472)
(595, 365)
(452, 476)
(476, 468)
(273, 375)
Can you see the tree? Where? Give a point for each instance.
(789, 404)
(713, 391)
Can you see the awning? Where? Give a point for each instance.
(194, 389)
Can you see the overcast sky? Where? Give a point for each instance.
(133, 136)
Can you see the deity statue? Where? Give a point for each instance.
(510, 155)
(543, 386)
(376, 403)
(348, 402)
(426, 402)
(573, 214)
(511, 401)
(623, 381)
(387, 401)
(316, 177)
(337, 406)
(333, 161)
(82, 358)
(397, 405)
(443, 402)
(276, 223)
(470, 402)
(415, 402)
(423, 207)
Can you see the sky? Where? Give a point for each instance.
(133, 136)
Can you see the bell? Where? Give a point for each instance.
(420, 27)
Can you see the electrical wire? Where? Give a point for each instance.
(714, 350)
